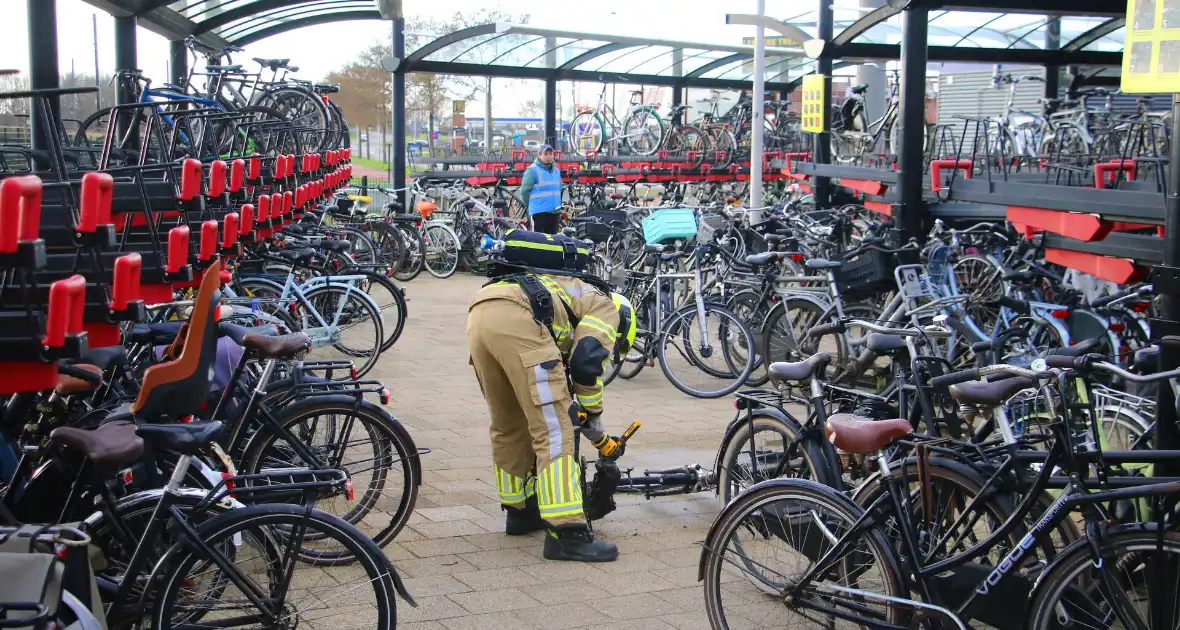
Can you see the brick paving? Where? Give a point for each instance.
(457, 562)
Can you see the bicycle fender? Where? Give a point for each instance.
(373, 408)
(739, 422)
(836, 496)
(1082, 542)
(911, 463)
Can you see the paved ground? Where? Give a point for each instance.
(459, 565)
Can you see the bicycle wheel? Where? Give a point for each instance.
(362, 248)
(365, 442)
(389, 298)
(1135, 587)
(388, 246)
(702, 364)
(753, 311)
(587, 132)
(980, 277)
(414, 257)
(690, 143)
(721, 142)
(204, 587)
(441, 250)
(771, 536)
(354, 330)
(306, 112)
(643, 131)
(775, 449)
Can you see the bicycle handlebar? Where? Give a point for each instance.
(1054, 364)
(841, 325)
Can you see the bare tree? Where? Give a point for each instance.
(427, 95)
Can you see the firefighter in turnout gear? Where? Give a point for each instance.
(537, 336)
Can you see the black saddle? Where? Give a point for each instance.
(296, 255)
(190, 438)
(859, 88)
(112, 445)
(273, 64)
(989, 394)
(885, 344)
(280, 347)
(336, 246)
(764, 258)
(237, 67)
(238, 333)
(799, 370)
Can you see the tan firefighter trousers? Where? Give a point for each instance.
(523, 380)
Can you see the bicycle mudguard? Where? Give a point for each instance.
(793, 425)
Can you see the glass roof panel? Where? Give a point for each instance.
(977, 29)
(1109, 43)
(641, 61)
(614, 56)
(564, 49)
(238, 28)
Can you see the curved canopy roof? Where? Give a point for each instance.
(503, 49)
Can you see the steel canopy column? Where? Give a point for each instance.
(551, 111)
(758, 112)
(178, 62)
(43, 74)
(822, 151)
(677, 95)
(912, 114)
(1052, 42)
(125, 58)
(398, 95)
(487, 118)
(1167, 282)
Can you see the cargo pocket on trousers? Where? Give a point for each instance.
(547, 385)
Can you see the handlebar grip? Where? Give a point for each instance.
(826, 329)
(946, 380)
(1103, 301)
(1061, 361)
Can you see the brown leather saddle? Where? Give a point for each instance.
(862, 436)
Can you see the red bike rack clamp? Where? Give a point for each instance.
(936, 167)
(1113, 168)
(237, 178)
(176, 267)
(20, 223)
(208, 245)
(218, 176)
(126, 302)
(229, 234)
(64, 335)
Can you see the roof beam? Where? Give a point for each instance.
(963, 54)
(451, 38)
(866, 21)
(718, 63)
(155, 17)
(259, 9)
(1085, 8)
(311, 20)
(588, 76)
(1096, 33)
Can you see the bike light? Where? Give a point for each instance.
(384, 396)
(1140, 307)
(228, 479)
(1060, 313)
(1117, 327)
(351, 493)
(797, 257)
(352, 371)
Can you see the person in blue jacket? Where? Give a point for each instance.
(540, 191)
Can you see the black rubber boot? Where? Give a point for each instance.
(576, 542)
(521, 521)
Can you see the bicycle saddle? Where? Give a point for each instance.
(799, 370)
(281, 347)
(989, 394)
(1019, 306)
(237, 67)
(862, 436)
(759, 260)
(656, 248)
(67, 384)
(273, 64)
(156, 334)
(238, 332)
(336, 246)
(406, 218)
(775, 238)
(190, 438)
(1147, 359)
(296, 255)
(820, 263)
(884, 344)
(112, 445)
(610, 203)
(859, 88)
(1024, 274)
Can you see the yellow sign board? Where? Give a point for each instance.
(776, 42)
(815, 100)
(1151, 53)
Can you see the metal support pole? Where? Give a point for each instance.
(178, 62)
(398, 94)
(1053, 73)
(43, 74)
(487, 118)
(1165, 426)
(912, 114)
(125, 58)
(759, 112)
(677, 95)
(822, 151)
(551, 112)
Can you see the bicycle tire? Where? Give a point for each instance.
(414, 259)
(641, 116)
(388, 246)
(390, 300)
(683, 317)
(442, 248)
(355, 310)
(384, 432)
(228, 530)
(591, 120)
(304, 109)
(761, 501)
(736, 447)
(749, 304)
(1066, 587)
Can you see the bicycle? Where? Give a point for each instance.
(643, 130)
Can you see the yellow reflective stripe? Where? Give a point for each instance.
(511, 489)
(561, 493)
(545, 246)
(590, 400)
(600, 325)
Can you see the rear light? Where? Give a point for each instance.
(352, 371)
(1140, 307)
(186, 418)
(384, 396)
(1060, 313)
(1117, 327)
(228, 480)
(797, 257)
(351, 493)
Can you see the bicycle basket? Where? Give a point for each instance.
(599, 232)
(871, 272)
(707, 226)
